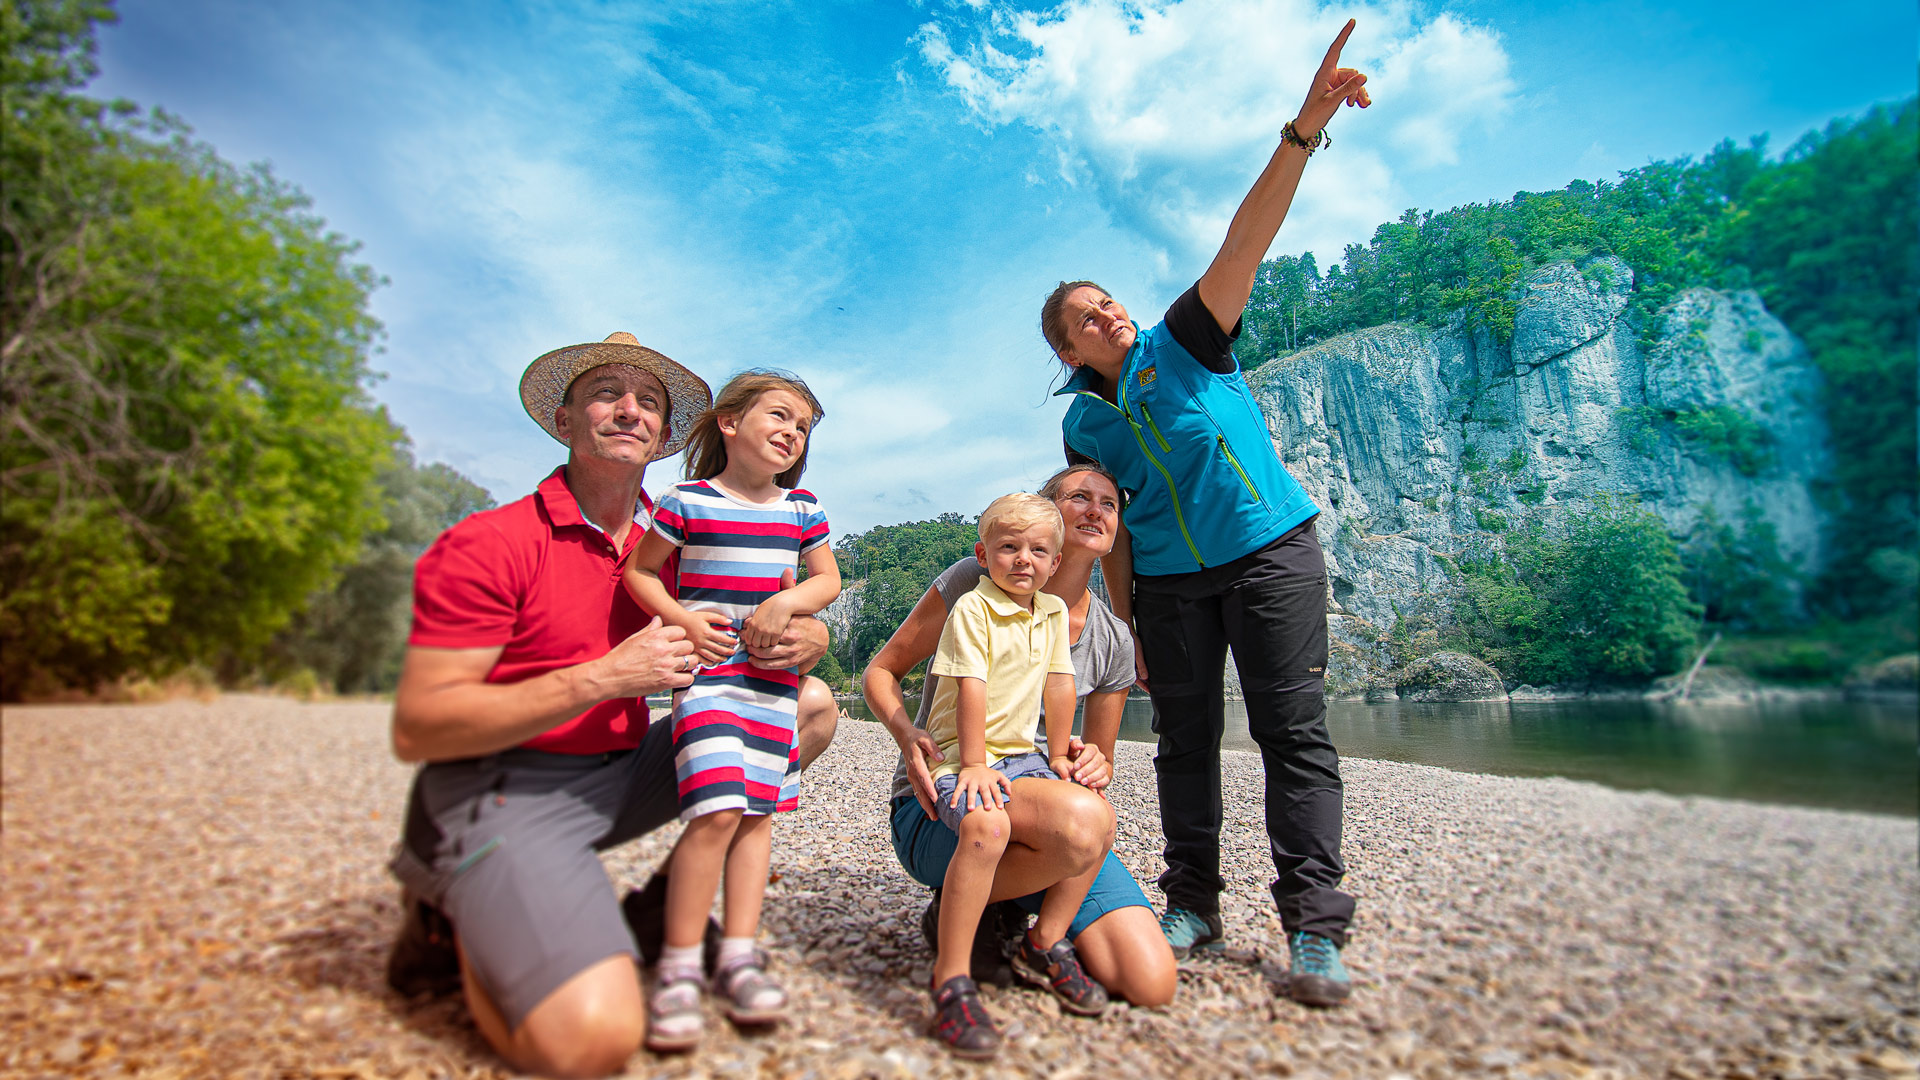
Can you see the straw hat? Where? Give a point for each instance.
(547, 379)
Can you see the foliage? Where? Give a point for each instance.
(352, 636)
(1737, 574)
(1593, 596)
(187, 448)
(895, 564)
(1726, 432)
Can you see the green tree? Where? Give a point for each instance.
(352, 636)
(1594, 595)
(187, 448)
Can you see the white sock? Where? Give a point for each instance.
(676, 960)
(733, 948)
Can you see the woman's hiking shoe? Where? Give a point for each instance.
(673, 1016)
(1001, 925)
(1058, 969)
(1316, 976)
(961, 1022)
(747, 994)
(424, 959)
(1188, 931)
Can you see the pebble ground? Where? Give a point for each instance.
(198, 889)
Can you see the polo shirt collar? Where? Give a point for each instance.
(563, 509)
(1044, 604)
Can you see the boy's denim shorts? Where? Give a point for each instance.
(1017, 767)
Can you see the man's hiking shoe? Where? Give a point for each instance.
(1189, 931)
(1058, 969)
(748, 996)
(424, 959)
(961, 1022)
(1316, 976)
(674, 1019)
(645, 910)
(1001, 926)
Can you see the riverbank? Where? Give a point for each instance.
(198, 889)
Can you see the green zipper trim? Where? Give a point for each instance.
(1161, 439)
(1179, 518)
(1235, 462)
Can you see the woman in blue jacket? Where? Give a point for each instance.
(1219, 551)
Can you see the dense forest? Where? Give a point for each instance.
(193, 477)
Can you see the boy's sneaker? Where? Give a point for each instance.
(424, 959)
(1188, 931)
(1316, 976)
(674, 1019)
(961, 1022)
(747, 994)
(1058, 969)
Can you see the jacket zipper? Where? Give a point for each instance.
(1173, 490)
(1235, 462)
(1161, 439)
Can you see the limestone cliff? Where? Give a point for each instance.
(1413, 439)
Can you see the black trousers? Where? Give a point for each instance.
(1271, 608)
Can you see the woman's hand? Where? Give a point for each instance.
(922, 752)
(1332, 85)
(989, 783)
(1086, 765)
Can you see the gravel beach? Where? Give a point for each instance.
(199, 889)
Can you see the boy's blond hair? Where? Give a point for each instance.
(1022, 510)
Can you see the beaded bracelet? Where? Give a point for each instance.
(1290, 134)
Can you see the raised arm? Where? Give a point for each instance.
(1228, 282)
(444, 707)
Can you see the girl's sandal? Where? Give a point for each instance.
(673, 1016)
(747, 995)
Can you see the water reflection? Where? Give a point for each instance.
(1849, 755)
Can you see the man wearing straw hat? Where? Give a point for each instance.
(522, 695)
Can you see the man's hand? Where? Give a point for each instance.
(655, 658)
(801, 644)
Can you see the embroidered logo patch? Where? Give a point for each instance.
(1147, 376)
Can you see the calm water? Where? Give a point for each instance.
(1849, 755)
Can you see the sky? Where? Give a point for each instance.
(877, 197)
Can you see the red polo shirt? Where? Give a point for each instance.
(541, 583)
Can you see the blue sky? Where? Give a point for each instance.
(879, 196)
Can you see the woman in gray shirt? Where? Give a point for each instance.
(1115, 933)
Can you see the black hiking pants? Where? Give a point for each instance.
(1270, 607)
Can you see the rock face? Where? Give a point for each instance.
(1450, 676)
(1418, 442)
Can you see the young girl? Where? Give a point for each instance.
(739, 523)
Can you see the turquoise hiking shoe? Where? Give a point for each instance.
(1316, 977)
(1189, 930)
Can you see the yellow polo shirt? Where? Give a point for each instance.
(992, 638)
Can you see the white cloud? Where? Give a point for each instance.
(1168, 110)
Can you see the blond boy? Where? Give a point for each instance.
(1002, 656)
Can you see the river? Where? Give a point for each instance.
(1842, 754)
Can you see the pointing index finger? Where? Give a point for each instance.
(1333, 50)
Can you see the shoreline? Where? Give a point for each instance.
(201, 886)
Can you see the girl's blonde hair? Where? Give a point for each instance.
(707, 448)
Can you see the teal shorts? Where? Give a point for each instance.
(924, 847)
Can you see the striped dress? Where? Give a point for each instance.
(733, 729)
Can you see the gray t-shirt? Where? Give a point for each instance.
(1102, 658)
